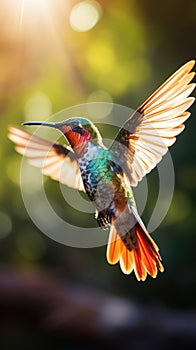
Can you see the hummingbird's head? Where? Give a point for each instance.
(78, 131)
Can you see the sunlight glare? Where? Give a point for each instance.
(30, 8)
(32, 4)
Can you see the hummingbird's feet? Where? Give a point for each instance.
(104, 218)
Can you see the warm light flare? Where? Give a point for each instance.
(36, 24)
(30, 10)
(32, 4)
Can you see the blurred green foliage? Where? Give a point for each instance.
(133, 48)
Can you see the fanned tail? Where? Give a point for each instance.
(144, 258)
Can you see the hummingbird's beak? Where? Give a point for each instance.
(52, 125)
(61, 126)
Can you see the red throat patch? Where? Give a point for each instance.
(77, 141)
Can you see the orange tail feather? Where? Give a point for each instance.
(144, 259)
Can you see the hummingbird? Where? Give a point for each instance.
(107, 175)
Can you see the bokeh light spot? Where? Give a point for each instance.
(85, 15)
(38, 107)
(101, 57)
(102, 109)
(5, 225)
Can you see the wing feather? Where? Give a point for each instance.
(147, 134)
(55, 160)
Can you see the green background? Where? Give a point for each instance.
(133, 48)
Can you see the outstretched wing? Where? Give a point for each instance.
(55, 160)
(147, 134)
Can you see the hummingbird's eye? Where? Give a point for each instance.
(77, 128)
